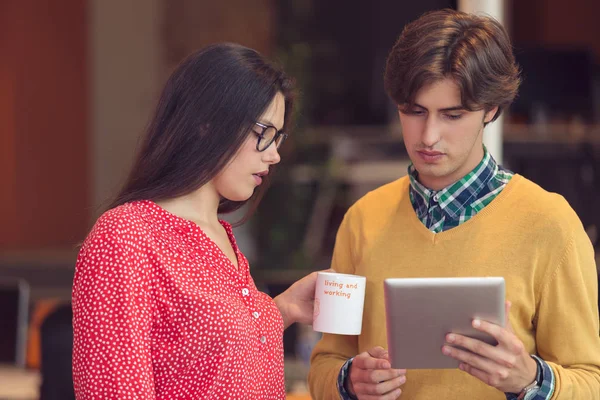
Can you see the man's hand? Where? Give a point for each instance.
(507, 366)
(371, 376)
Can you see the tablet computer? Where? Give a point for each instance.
(420, 312)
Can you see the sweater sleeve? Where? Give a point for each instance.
(112, 318)
(332, 351)
(567, 329)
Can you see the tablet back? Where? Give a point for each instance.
(421, 311)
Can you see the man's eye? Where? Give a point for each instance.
(412, 112)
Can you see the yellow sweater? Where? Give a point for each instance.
(531, 237)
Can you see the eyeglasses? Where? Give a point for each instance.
(268, 135)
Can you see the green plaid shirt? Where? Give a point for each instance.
(447, 208)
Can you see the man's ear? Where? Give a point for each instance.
(489, 115)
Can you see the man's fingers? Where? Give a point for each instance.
(375, 358)
(477, 373)
(472, 359)
(378, 352)
(380, 375)
(502, 335)
(380, 389)
(369, 362)
(371, 375)
(495, 353)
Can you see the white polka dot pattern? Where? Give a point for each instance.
(159, 312)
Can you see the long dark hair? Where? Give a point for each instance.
(204, 114)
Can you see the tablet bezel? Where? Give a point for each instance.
(421, 311)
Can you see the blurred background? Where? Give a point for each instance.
(79, 80)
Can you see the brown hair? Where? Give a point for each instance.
(474, 51)
(205, 113)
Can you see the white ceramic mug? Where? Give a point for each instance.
(339, 302)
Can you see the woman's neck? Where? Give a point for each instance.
(200, 206)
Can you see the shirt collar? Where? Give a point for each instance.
(457, 196)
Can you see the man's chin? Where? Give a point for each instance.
(431, 170)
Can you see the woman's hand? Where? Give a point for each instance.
(296, 304)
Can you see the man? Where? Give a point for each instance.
(458, 213)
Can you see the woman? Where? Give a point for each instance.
(164, 306)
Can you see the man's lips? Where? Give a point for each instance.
(430, 156)
(430, 153)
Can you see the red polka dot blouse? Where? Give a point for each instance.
(159, 312)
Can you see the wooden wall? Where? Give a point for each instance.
(43, 123)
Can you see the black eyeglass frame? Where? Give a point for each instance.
(261, 137)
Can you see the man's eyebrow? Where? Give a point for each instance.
(445, 109)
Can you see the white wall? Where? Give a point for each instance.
(492, 135)
(126, 76)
